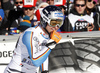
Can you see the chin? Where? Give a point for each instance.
(50, 31)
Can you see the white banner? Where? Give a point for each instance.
(6, 51)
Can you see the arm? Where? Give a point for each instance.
(39, 57)
(32, 46)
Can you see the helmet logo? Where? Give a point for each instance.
(45, 18)
(58, 15)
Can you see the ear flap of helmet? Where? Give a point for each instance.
(43, 23)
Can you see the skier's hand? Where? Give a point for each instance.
(55, 37)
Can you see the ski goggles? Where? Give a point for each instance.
(56, 22)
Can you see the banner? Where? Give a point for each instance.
(7, 45)
(6, 52)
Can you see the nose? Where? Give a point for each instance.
(56, 27)
(91, 2)
(80, 6)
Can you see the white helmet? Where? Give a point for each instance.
(50, 13)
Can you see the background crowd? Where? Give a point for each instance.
(79, 15)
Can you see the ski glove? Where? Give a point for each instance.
(55, 37)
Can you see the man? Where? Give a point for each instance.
(0, 4)
(1, 16)
(18, 4)
(39, 9)
(78, 20)
(50, 2)
(28, 9)
(7, 5)
(23, 8)
(13, 15)
(35, 44)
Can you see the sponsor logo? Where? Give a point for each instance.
(58, 14)
(81, 25)
(27, 61)
(6, 54)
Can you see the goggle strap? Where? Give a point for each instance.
(46, 19)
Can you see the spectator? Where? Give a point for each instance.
(22, 9)
(29, 9)
(43, 5)
(24, 24)
(0, 4)
(40, 1)
(40, 7)
(63, 9)
(1, 13)
(93, 11)
(18, 4)
(14, 15)
(99, 5)
(90, 5)
(50, 2)
(78, 20)
(61, 5)
(1, 16)
(35, 44)
(7, 5)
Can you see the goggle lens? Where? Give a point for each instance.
(55, 23)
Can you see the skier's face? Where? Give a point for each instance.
(80, 6)
(50, 28)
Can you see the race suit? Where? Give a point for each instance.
(30, 52)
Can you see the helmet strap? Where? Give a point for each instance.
(46, 29)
